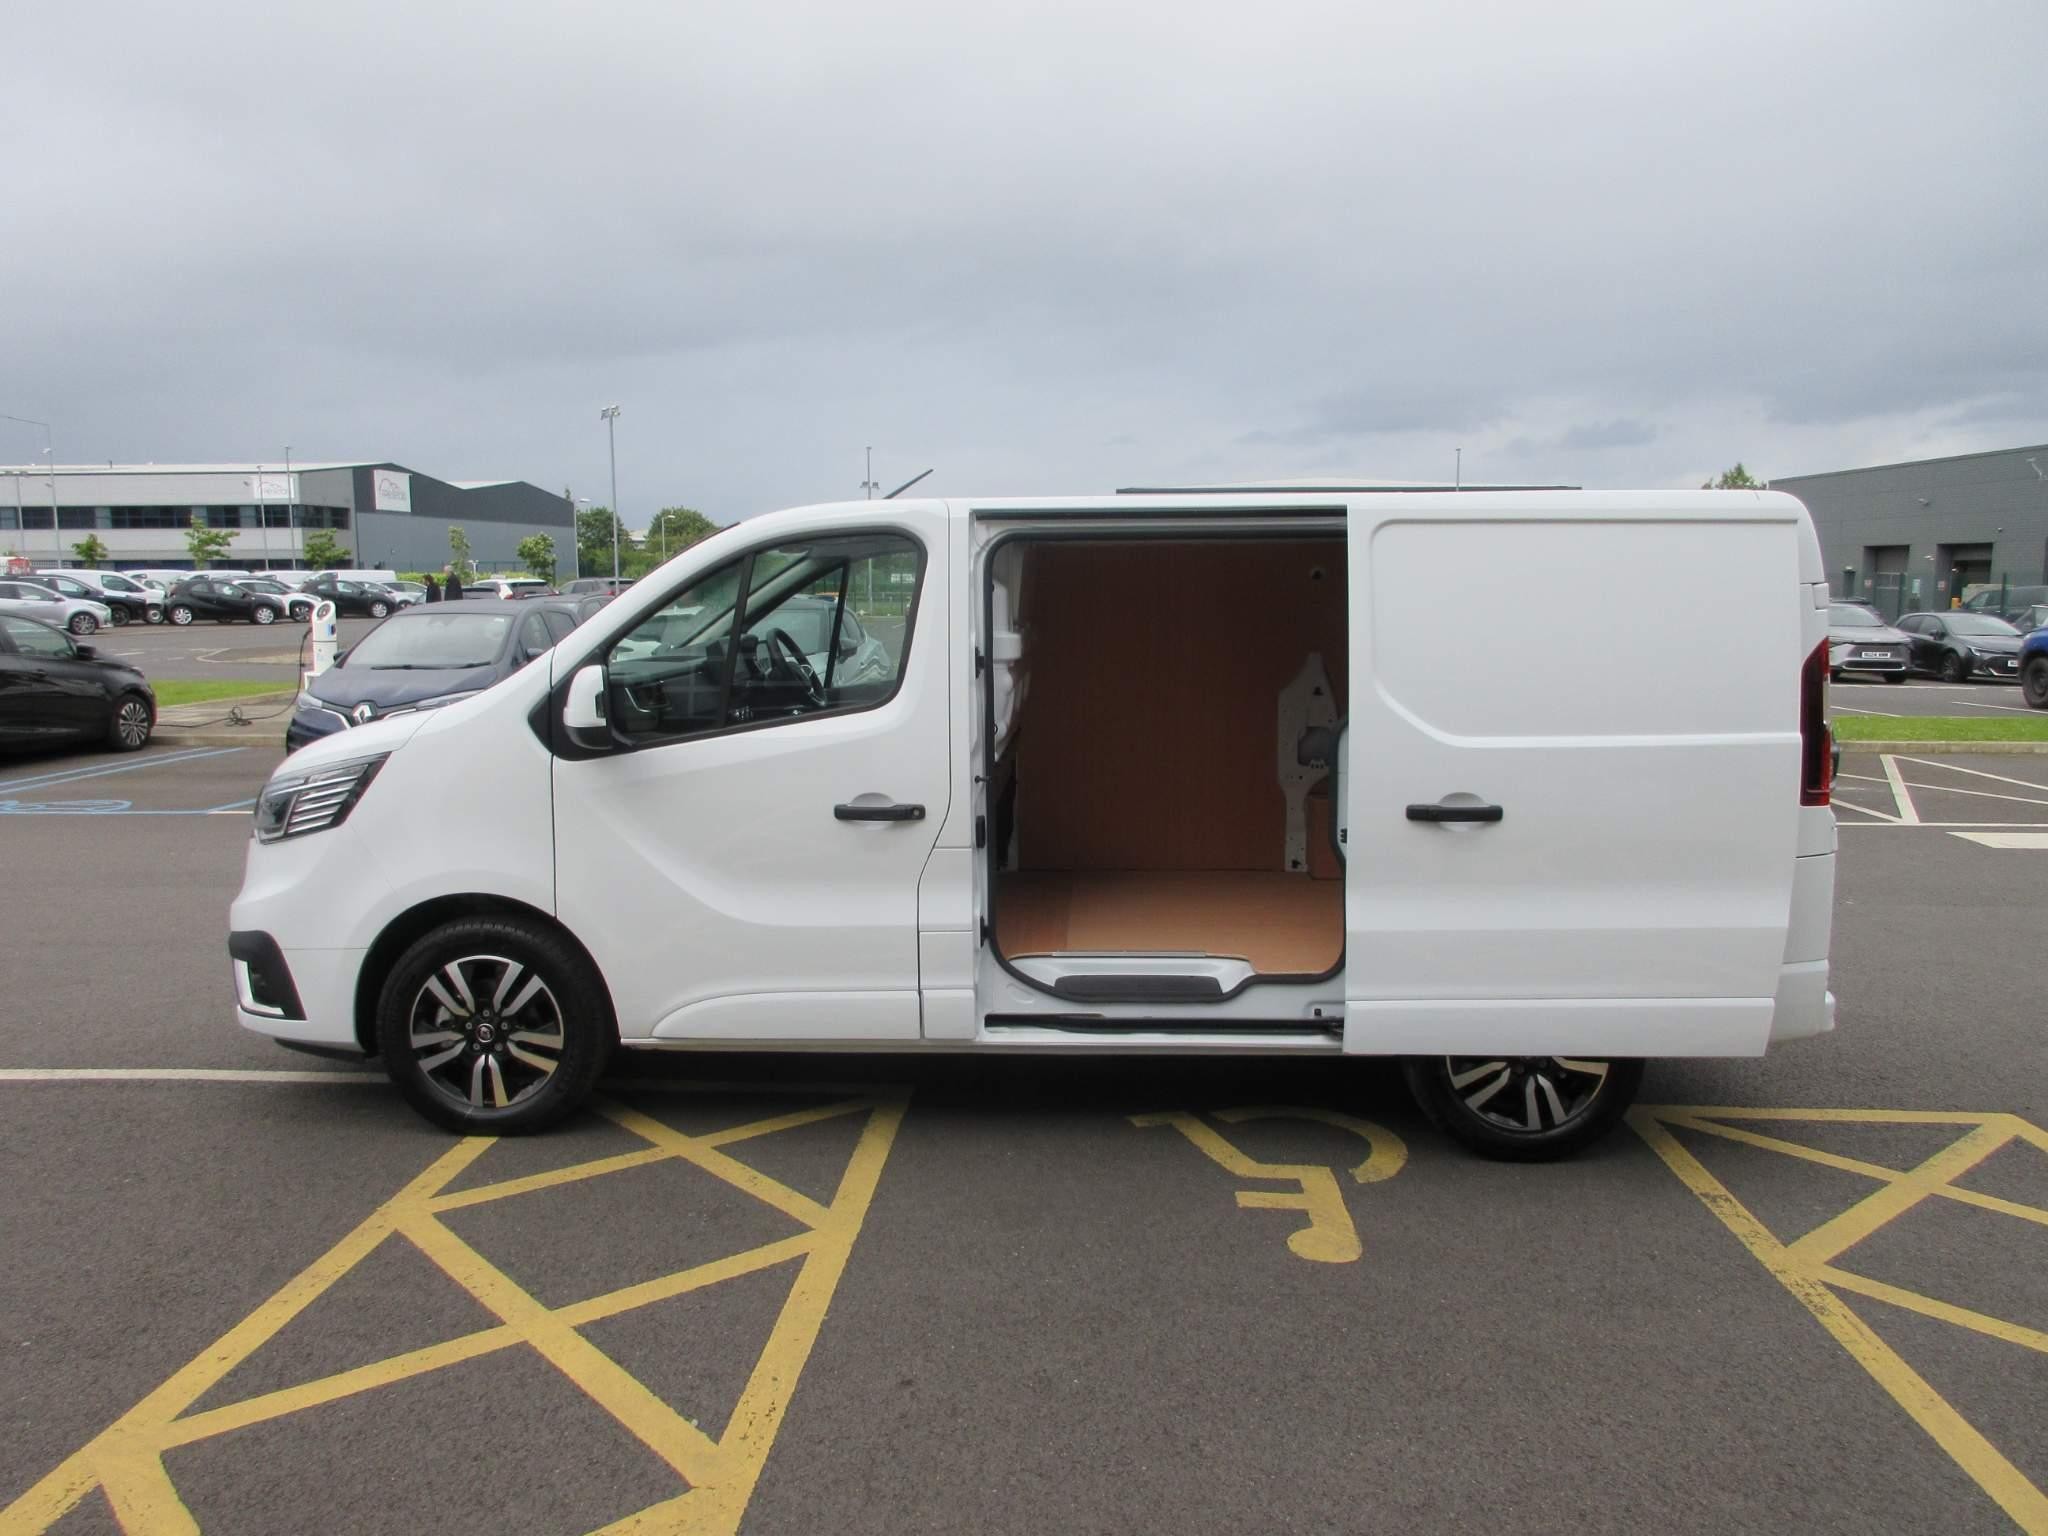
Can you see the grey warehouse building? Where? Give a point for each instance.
(386, 515)
(1928, 533)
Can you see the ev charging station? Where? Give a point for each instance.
(324, 637)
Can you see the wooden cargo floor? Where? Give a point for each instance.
(1284, 925)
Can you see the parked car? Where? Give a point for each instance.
(1957, 646)
(2034, 668)
(36, 600)
(2005, 602)
(129, 599)
(2029, 619)
(707, 842)
(351, 599)
(298, 607)
(609, 586)
(223, 601)
(1859, 641)
(52, 689)
(511, 588)
(409, 593)
(425, 657)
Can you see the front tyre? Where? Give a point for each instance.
(153, 614)
(1953, 668)
(265, 614)
(494, 1026)
(1524, 1108)
(129, 728)
(82, 624)
(2034, 681)
(179, 615)
(378, 610)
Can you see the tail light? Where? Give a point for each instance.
(1816, 741)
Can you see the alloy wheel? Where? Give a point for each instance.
(83, 624)
(265, 614)
(181, 616)
(1526, 1094)
(486, 1031)
(132, 723)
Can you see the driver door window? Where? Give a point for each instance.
(823, 627)
(33, 639)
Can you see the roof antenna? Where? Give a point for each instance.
(906, 485)
(1458, 471)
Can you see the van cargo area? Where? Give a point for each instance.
(1164, 716)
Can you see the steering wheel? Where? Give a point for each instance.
(786, 660)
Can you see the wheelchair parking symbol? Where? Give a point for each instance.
(1330, 1236)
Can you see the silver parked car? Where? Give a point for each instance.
(33, 600)
(1860, 641)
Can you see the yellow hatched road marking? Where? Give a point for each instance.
(126, 1460)
(1802, 1269)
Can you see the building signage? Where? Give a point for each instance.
(275, 487)
(394, 490)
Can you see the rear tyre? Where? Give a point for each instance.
(265, 614)
(1525, 1109)
(82, 624)
(2034, 682)
(132, 724)
(179, 615)
(494, 1026)
(153, 615)
(1953, 668)
(120, 617)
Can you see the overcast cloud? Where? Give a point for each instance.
(1042, 248)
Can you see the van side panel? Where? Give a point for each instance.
(1644, 754)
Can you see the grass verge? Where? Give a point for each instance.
(179, 690)
(1854, 728)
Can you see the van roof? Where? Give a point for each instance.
(1338, 484)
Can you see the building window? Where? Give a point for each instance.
(7, 517)
(337, 517)
(35, 517)
(277, 517)
(77, 517)
(222, 517)
(150, 517)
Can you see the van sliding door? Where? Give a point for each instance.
(1572, 805)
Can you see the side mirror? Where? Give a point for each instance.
(85, 653)
(583, 710)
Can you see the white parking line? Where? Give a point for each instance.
(178, 1075)
(1903, 800)
(1975, 773)
(1851, 805)
(1981, 794)
(74, 775)
(2009, 840)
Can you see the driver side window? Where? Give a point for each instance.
(785, 632)
(33, 639)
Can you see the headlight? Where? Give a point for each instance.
(313, 801)
(308, 699)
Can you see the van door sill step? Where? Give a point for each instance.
(1097, 1024)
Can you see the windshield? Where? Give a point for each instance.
(1978, 624)
(1852, 616)
(433, 640)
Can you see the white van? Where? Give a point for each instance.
(1183, 773)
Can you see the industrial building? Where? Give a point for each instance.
(1932, 532)
(386, 515)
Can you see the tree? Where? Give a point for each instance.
(458, 549)
(323, 551)
(206, 544)
(539, 554)
(594, 527)
(1736, 479)
(90, 551)
(676, 528)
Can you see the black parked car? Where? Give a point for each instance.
(52, 689)
(297, 605)
(351, 599)
(1956, 646)
(223, 600)
(427, 656)
(127, 605)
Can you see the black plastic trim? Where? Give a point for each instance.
(1096, 1024)
(1138, 989)
(988, 712)
(267, 973)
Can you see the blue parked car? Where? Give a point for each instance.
(429, 655)
(2034, 668)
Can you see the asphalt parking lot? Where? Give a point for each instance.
(251, 1291)
(272, 653)
(1925, 696)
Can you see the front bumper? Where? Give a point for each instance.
(310, 725)
(294, 995)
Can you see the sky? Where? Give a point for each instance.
(1038, 249)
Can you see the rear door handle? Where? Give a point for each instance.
(878, 812)
(1455, 813)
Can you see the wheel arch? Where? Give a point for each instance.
(403, 930)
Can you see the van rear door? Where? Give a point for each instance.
(1572, 801)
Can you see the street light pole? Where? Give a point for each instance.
(292, 536)
(56, 533)
(610, 415)
(262, 517)
(577, 530)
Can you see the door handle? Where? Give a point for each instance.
(1455, 813)
(878, 812)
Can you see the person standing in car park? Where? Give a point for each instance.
(454, 588)
(433, 588)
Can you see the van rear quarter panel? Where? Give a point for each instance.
(1645, 753)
